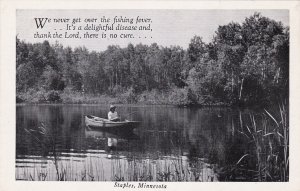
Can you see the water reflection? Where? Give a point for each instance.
(172, 144)
(113, 137)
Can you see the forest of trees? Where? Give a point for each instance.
(244, 64)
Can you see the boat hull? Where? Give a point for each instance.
(97, 122)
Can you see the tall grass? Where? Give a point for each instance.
(267, 158)
(122, 170)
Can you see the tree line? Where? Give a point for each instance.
(245, 63)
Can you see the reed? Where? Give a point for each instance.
(267, 158)
(122, 170)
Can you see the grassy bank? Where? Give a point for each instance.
(178, 96)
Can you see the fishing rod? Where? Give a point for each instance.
(131, 113)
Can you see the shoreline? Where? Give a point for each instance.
(142, 99)
(145, 105)
(253, 107)
(125, 104)
(153, 98)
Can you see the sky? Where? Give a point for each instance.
(169, 27)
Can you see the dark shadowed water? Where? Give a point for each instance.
(172, 144)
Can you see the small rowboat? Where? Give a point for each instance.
(97, 122)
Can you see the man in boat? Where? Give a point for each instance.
(112, 114)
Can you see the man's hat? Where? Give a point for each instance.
(112, 106)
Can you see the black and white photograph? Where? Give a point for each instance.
(149, 96)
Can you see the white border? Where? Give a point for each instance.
(7, 90)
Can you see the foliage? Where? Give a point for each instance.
(128, 97)
(153, 97)
(183, 97)
(245, 63)
(53, 96)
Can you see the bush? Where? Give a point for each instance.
(153, 97)
(32, 96)
(53, 96)
(128, 96)
(116, 90)
(40, 96)
(19, 100)
(183, 97)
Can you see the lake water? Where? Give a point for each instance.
(170, 144)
